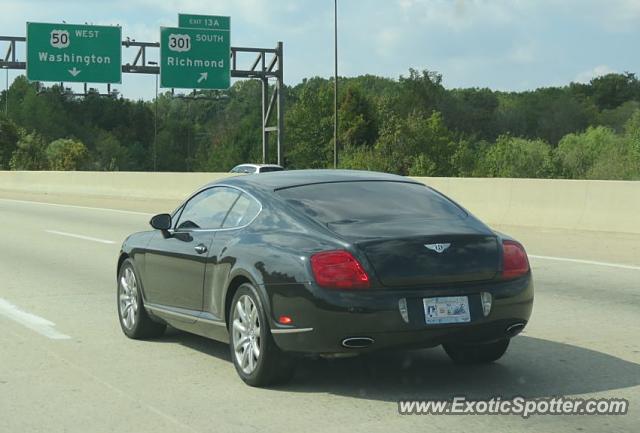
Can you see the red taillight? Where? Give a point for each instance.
(285, 320)
(338, 270)
(514, 260)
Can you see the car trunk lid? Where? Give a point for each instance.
(425, 253)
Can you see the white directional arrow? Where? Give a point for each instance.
(203, 76)
(74, 71)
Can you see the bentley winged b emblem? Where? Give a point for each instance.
(438, 248)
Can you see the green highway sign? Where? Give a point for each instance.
(194, 58)
(204, 22)
(74, 53)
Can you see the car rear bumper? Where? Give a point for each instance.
(323, 319)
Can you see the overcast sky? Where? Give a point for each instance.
(500, 44)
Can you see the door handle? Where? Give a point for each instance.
(201, 249)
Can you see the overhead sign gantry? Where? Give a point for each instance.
(201, 58)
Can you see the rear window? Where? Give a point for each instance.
(352, 202)
(268, 169)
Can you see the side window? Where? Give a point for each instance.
(207, 209)
(250, 169)
(243, 212)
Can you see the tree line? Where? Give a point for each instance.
(410, 126)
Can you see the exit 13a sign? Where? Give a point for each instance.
(74, 53)
(213, 22)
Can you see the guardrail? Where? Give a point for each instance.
(566, 204)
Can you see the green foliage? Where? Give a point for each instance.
(230, 134)
(66, 154)
(422, 165)
(421, 89)
(358, 125)
(612, 90)
(9, 136)
(599, 153)
(468, 156)
(417, 145)
(362, 158)
(410, 126)
(616, 118)
(109, 154)
(517, 157)
(30, 153)
(632, 128)
(472, 112)
(547, 113)
(309, 125)
(632, 135)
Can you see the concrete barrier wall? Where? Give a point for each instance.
(567, 204)
(128, 185)
(551, 203)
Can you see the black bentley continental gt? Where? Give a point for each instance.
(324, 262)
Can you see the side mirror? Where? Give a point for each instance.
(161, 222)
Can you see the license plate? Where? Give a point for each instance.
(448, 309)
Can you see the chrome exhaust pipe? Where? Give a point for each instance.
(357, 342)
(515, 329)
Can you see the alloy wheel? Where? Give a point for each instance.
(246, 334)
(128, 298)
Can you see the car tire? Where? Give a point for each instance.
(256, 357)
(476, 353)
(134, 319)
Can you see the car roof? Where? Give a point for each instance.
(290, 178)
(257, 165)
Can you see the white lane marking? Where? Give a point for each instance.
(86, 238)
(35, 323)
(586, 262)
(76, 207)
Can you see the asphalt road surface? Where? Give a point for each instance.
(66, 366)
